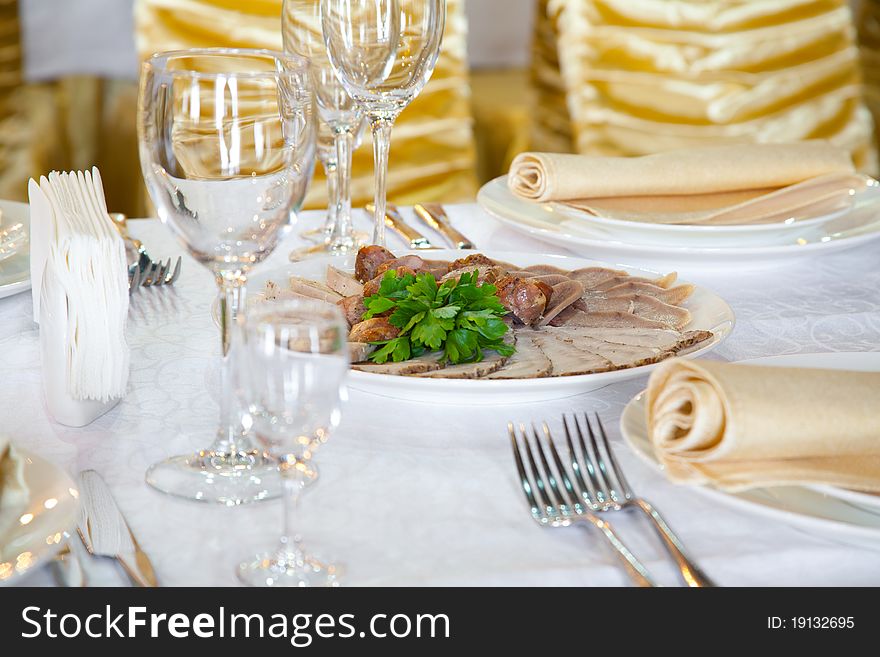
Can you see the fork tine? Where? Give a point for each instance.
(600, 465)
(176, 273)
(536, 474)
(587, 493)
(163, 272)
(523, 477)
(559, 499)
(150, 276)
(622, 484)
(598, 485)
(571, 495)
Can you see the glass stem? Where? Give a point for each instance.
(232, 298)
(292, 482)
(332, 172)
(341, 239)
(381, 126)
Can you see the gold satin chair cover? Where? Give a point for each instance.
(433, 157)
(643, 76)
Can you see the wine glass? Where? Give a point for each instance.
(383, 52)
(294, 361)
(227, 148)
(340, 126)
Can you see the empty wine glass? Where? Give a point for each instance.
(383, 52)
(227, 150)
(294, 360)
(341, 122)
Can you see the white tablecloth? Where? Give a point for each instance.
(416, 494)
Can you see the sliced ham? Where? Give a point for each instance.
(491, 362)
(424, 363)
(358, 352)
(591, 277)
(673, 296)
(564, 294)
(313, 290)
(611, 319)
(639, 304)
(528, 362)
(621, 355)
(343, 283)
(568, 360)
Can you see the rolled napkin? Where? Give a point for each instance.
(730, 184)
(80, 296)
(13, 489)
(742, 426)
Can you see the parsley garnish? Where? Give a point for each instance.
(459, 318)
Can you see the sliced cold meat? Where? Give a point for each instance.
(313, 290)
(525, 299)
(358, 352)
(424, 363)
(564, 295)
(353, 308)
(491, 362)
(611, 319)
(568, 360)
(528, 362)
(673, 296)
(639, 304)
(663, 281)
(368, 260)
(375, 329)
(343, 282)
(621, 355)
(591, 277)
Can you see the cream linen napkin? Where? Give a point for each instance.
(733, 184)
(742, 426)
(13, 490)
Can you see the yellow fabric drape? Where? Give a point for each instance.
(644, 76)
(432, 155)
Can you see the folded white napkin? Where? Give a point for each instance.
(78, 264)
(13, 490)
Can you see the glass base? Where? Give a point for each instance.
(324, 248)
(288, 570)
(218, 477)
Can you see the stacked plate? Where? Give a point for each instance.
(15, 275)
(854, 223)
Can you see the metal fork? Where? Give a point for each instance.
(561, 507)
(145, 271)
(612, 492)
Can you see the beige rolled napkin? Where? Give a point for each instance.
(742, 426)
(13, 490)
(723, 185)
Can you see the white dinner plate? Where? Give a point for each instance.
(820, 508)
(544, 221)
(45, 523)
(709, 312)
(15, 272)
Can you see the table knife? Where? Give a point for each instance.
(105, 533)
(435, 216)
(395, 222)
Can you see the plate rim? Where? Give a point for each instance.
(42, 551)
(865, 232)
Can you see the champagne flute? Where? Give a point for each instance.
(341, 122)
(383, 52)
(227, 148)
(294, 364)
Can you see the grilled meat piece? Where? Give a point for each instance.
(524, 298)
(375, 329)
(368, 260)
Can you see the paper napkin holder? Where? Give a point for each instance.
(53, 351)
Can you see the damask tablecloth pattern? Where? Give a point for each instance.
(421, 494)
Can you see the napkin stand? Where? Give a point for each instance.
(53, 351)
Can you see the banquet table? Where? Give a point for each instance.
(417, 494)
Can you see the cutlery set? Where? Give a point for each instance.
(587, 484)
(432, 215)
(103, 532)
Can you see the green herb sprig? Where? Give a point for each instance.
(459, 317)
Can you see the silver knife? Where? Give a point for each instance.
(395, 222)
(435, 216)
(105, 533)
